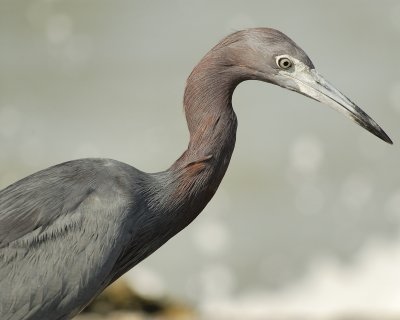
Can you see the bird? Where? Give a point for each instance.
(70, 230)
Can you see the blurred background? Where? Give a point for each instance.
(306, 223)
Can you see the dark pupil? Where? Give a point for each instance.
(285, 63)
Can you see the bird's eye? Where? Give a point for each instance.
(284, 63)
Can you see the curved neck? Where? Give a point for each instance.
(189, 184)
(212, 124)
(211, 120)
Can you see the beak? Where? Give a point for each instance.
(312, 84)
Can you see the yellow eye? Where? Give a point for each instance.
(284, 63)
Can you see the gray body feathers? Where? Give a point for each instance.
(65, 228)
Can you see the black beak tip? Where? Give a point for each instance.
(382, 135)
(370, 125)
(387, 139)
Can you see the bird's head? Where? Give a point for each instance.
(269, 55)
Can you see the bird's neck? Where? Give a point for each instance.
(211, 120)
(194, 178)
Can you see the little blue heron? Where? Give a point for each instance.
(68, 231)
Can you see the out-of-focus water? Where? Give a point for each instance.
(307, 218)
